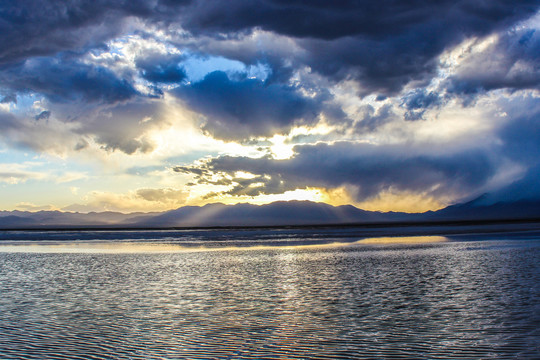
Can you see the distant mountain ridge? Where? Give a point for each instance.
(280, 213)
(38, 219)
(477, 210)
(276, 213)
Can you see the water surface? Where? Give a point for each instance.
(268, 295)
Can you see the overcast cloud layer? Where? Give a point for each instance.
(237, 100)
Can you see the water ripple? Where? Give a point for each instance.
(450, 300)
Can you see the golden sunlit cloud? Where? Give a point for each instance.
(343, 195)
(308, 194)
(403, 201)
(27, 206)
(143, 200)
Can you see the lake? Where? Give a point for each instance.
(294, 294)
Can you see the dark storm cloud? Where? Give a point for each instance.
(41, 27)
(381, 46)
(161, 69)
(513, 62)
(380, 65)
(335, 19)
(241, 108)
(64, 79)
(384, 46)
(368, 167)
(44, 27)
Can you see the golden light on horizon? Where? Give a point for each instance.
(123, 247)
(401, 201)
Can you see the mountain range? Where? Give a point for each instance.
(280, 213)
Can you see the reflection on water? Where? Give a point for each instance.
(402, 240)
(122, 247)
(414, 298)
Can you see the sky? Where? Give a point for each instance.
(150, 105)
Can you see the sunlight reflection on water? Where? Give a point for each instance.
(127, 247)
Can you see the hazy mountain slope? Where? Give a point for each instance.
(476, 210)
(16, 219)
(13, 221)
(277, 213)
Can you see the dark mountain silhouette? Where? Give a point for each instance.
(281, 213)
(277, 213)
(310, 213)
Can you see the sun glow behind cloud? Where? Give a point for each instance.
(298, 194)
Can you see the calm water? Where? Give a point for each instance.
(261, 294)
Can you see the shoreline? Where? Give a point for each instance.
(425, 228)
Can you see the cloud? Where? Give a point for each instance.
(369, 118)
(368, 168)
(157, 68)
(319, 19)
(10, 98)
(163, 195)
(18, 173)
(15, 177)
(70, 176)
(525, 188)
(418, 101)
(521, 135)
(383, 47)
(237, 109)
(23, 132)
(498, 143)
(44, 27)
(8, 121)
(63, 79)
(147, 199)
(124, 127)
(15, 173)
(510, 61)
(77, 77)
(26, 206)
(44, 115)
